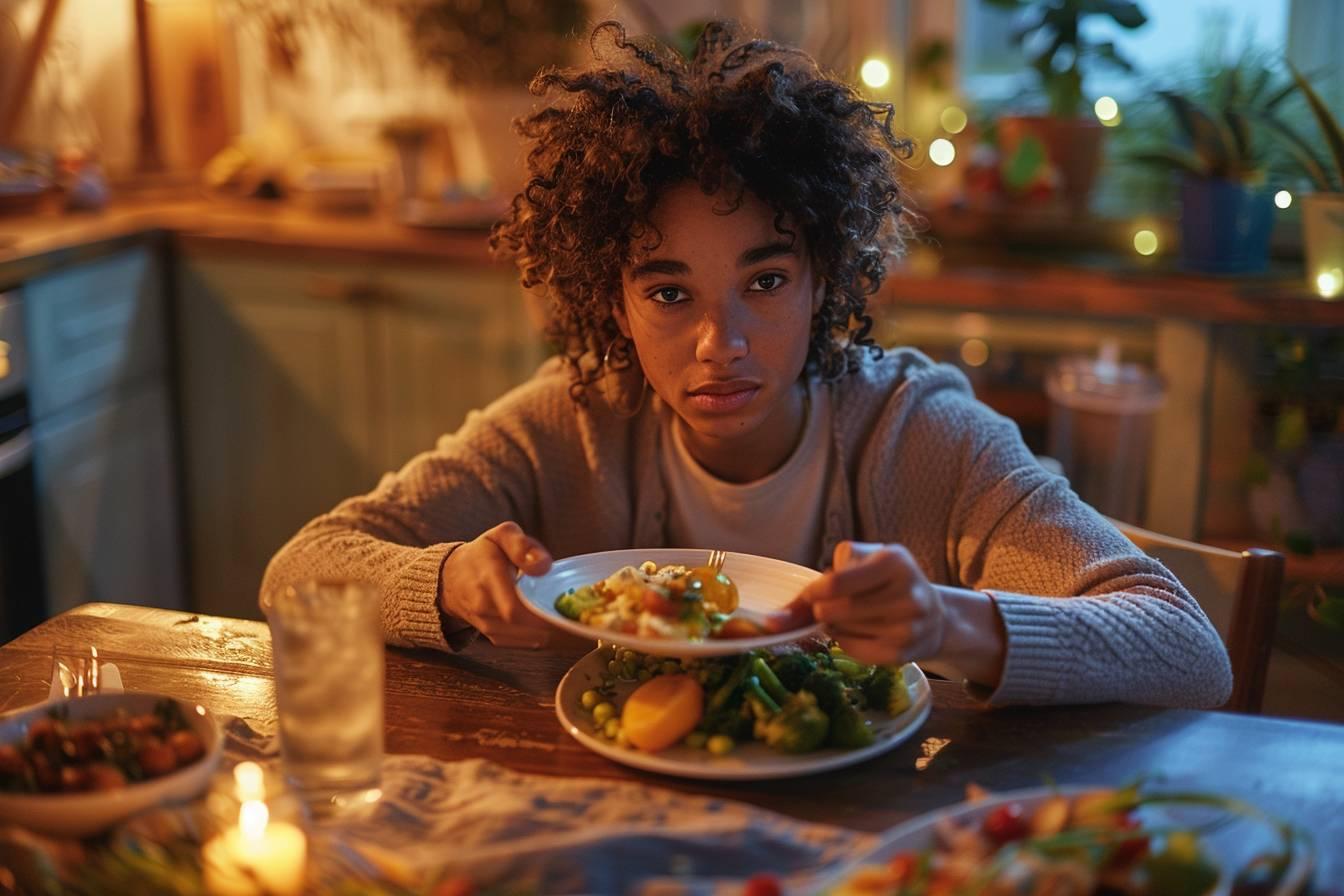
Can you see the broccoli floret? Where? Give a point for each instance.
(799, 727)
(848, 727)
(885, 689)
(828, 686)
(792, 669)
(574, 603)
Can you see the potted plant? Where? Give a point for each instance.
(1227, 208)
(490, 50)
(1061, 54)
(1323, 210)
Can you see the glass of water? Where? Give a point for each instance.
(327, 645)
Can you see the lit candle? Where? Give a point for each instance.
(257, 857)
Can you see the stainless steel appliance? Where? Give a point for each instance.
(22, 600)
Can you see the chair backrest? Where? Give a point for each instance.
(1239, 591)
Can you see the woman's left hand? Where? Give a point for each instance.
(877, 602)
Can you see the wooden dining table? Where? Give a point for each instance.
(497, 704)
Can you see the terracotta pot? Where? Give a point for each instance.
(1073, 146)
(1323, 243)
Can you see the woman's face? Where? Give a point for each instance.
(720, 311)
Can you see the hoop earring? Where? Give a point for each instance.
(614, 390)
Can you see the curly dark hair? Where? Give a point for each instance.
(742, 115)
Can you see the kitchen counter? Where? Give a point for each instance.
(32, 244)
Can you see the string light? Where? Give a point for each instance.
(1145, 242)
(1283, 199)
(974, 352)
(875, 72)
(942, 152)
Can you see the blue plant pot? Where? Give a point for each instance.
(1225, 226)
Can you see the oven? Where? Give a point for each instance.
(22, 595)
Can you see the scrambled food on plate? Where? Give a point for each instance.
(1094, 843)
(650, 601)
(61, 756)
(797, 699)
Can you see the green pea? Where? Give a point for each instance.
(670, 667)
(696, 740)
(611, 728)
(602, 712)
(644, 675)
(590, 698)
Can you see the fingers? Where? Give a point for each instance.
(521, 549)
(501, 634)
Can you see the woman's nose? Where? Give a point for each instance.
(722, 338)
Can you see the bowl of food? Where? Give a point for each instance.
(75, 767)
(1147, 839)
(665, 601)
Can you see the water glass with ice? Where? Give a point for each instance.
(328, 651)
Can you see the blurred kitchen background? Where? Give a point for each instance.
(243, 269)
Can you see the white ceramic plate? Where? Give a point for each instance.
(82, 814)
(1229, 841)
(763, 584)
(749, 761)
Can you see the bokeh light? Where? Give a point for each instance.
(875, 72)
(1330, 283)
(1106, 108)
(974, 352)
(942, 152)
(1283, 199)
(1145, 242)
(953, 119)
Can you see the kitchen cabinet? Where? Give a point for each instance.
(304, 380)
(104, 450)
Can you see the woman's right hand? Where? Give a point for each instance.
(476, 585)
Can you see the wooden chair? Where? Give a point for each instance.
(1240, 594)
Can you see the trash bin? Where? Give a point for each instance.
(1101, 429)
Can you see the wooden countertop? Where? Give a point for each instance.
(32, 243)
(952, 276)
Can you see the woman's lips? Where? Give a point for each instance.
(724, 398)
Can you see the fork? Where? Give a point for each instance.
(716, 560)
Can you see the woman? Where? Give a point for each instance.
(707, 234)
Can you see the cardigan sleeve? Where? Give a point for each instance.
(1088, 616)
(398, 536)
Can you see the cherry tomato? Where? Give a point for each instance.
(105, 776)
(1006, 823)
(455, 886)
(186, 746)
(762, 885)
(659, 604)
(902, 867)
(737, 627)
(156, 758)
(1127, 852)
(714, 588)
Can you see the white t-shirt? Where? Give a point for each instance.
(777, 516)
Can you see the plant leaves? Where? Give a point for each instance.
(1325, 120)
(1209, 137)
(1172, 158)
(1301, 151)
(1126, 14)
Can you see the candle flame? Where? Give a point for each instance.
(252, 818)
(250, 781)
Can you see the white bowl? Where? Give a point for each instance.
(83, 814)
(763, 584)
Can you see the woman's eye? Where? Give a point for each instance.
(767, 282)
(668, 295)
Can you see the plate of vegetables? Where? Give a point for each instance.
(795, 710)
(75, 767)
(1141, 840)
(663, 601)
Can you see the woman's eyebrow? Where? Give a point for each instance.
(656, 266)
(762, 253)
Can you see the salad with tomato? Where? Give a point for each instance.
(652, 601)
(1090, 843)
